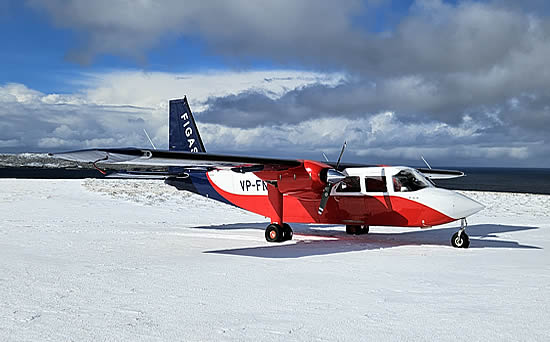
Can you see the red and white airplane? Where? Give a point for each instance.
(292, 190)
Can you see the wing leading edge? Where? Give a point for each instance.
(145, 157)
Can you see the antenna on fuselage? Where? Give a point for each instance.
(425, 162)
(151, 141)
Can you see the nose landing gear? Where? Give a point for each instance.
(277, 233)
(460, 239)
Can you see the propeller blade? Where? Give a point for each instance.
(341, 153)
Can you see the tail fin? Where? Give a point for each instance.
(183, 132)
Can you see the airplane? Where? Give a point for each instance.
(294, 190)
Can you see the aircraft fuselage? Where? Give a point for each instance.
(378, 196)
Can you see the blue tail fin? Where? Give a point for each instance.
(183, 132)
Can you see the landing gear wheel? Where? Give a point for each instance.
(274, 233)
(460, 242)
(353, 229)
(287, 232)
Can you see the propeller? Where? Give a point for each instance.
(333, 178)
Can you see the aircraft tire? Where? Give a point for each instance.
(287, 232)
(462, 242)
(353, 229)
(274, 233)
(364, 229)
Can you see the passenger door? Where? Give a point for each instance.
(377, 201)
(350, 199)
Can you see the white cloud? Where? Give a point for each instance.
(112, 108)
(14, 92)
(9, 143)
(373, 139)
(154, 89)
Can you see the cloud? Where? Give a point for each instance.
(95, 117)
(378, 139)
(130, 28)
(154, 88)
(36, 122)
(465, 80)
(434, 37)
(113, 108)
(441, 60)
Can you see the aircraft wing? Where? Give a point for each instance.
(188, 160)
(440, 174)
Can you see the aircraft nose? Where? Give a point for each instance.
(463, 206)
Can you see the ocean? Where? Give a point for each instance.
(524, 180)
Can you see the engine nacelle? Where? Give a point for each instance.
(309, 178)
(332, 176)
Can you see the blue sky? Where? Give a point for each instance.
(461, 82)
(32, 49)
(35, 52)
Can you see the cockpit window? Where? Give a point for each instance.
(349, 184)
(406, 180)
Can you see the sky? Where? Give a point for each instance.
(462, 83)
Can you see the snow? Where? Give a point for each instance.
(137, 260)
(33, 160)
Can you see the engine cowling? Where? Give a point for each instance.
(305, 181)
(305, 178)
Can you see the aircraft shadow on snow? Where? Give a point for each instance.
(481, 236)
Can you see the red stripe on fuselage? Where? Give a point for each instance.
(368, 210)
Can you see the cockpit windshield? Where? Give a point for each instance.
(409, 180)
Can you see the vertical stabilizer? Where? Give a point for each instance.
(183, 132)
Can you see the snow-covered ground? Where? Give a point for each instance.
(33, 160)
(107, 260)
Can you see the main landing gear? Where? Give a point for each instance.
(277, 233)
(460, 239)
(356, 229)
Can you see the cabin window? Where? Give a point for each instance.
(408, 181)
(349, 184)
(375, 184)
